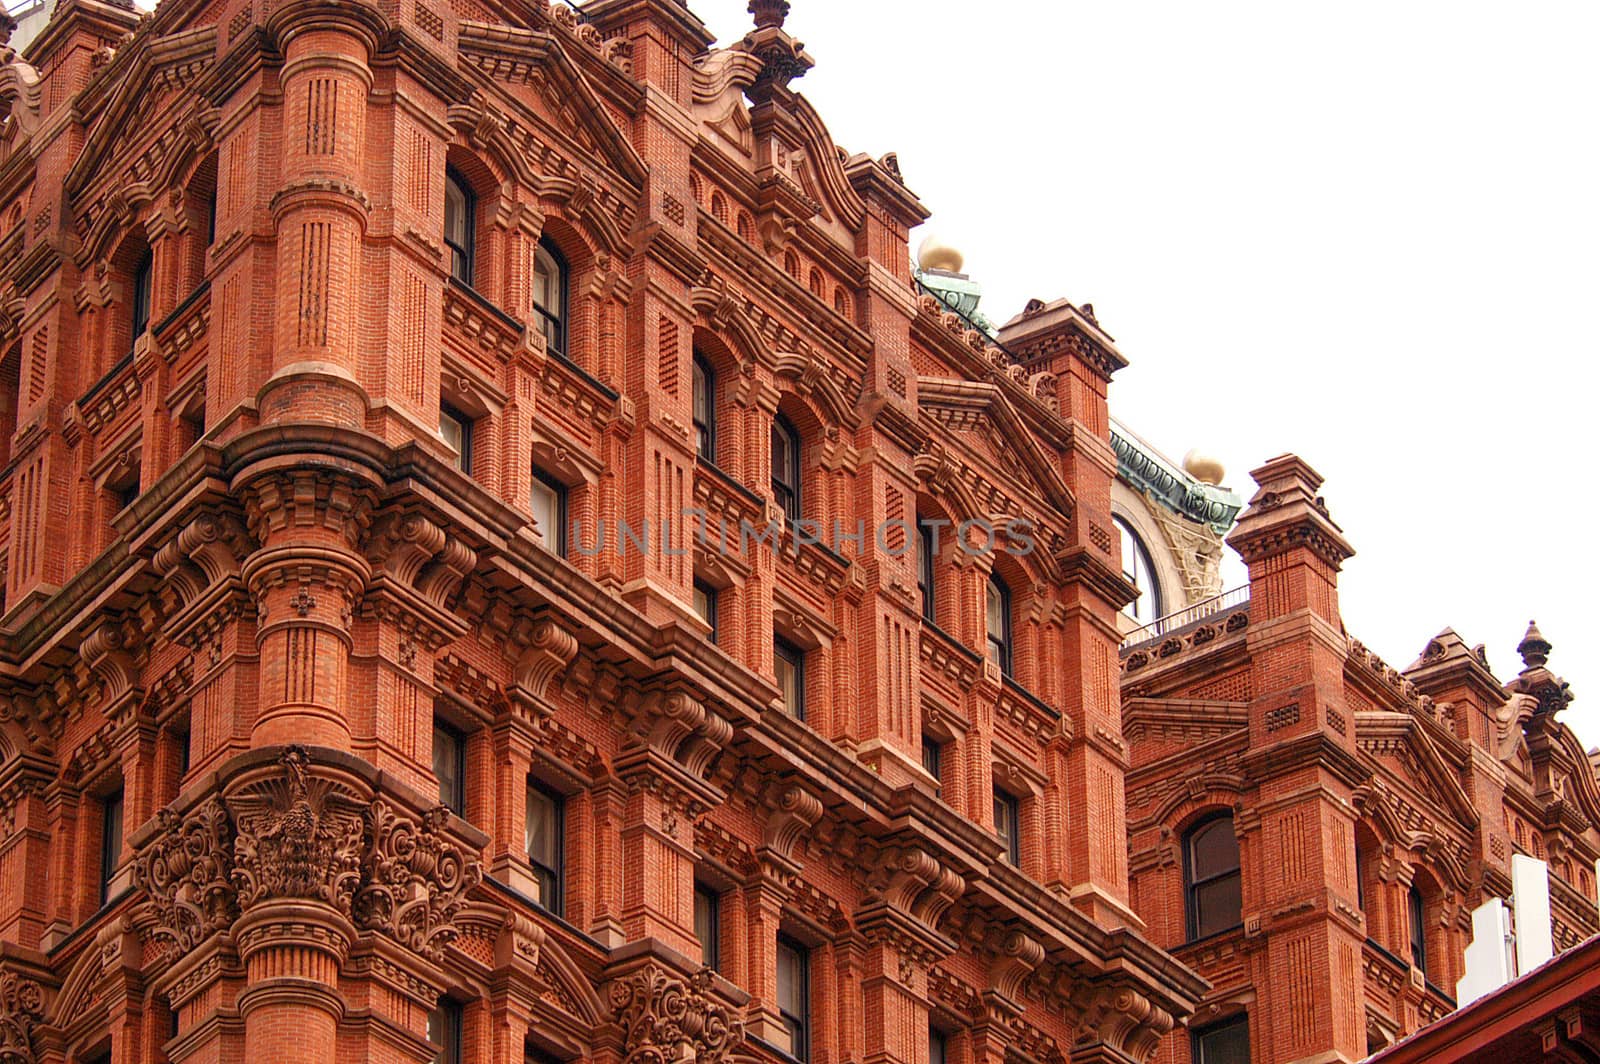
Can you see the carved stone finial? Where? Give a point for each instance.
(1534, 648)
(769, 13)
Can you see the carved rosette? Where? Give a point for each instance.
(298, 837)
(21, 1007)
(188, 872)
(416, 878)
(664, 1019)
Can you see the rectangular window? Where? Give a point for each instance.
(789, 661)
(450, 765)
(141, 296)
(708, 925)
(546, 825)
(1008, 824)
(794, 995)
(550, 513)
(705, 410)
(1227, 1042)
(997, 600)
(456, 428)
(444, 1032)
(932, 757)
(936, 1046)
(705, 604)
(180, 742)
(460, 223)
(925, 560)
(110, 841)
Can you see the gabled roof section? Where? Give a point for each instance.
(1436, 779)
(519, 56)
(936, 395)
(118, 102)
(827, 161)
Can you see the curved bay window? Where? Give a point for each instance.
(1417, 913)
(998, 620)
(1212, 895)
(705, 409)
(550, 295)
(1138, 570)
(460, 225)
(786, 467)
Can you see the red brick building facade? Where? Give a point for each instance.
(365, 691)
(1310, 829)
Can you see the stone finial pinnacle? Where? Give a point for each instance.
(1534, 648)
(769, 13)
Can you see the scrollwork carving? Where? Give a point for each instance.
(21, 1007)
(664, 1020)
(188, 873)
(416, 879)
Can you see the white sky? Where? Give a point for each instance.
(1365, 232)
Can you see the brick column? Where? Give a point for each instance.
(306, 578)
(1303, 763)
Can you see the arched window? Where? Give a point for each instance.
(140, 308)
(1211, 877)
(1138, 571)
(998, 618)
(550, 295)
(705, 409)
(786, 466)
(1417, 910)
(460, 225)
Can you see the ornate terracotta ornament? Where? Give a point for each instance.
(417, 879)
(21, 1007)
(298, 838)
(188, 873)
(664, 1019)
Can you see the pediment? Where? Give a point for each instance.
(1398, 743)
(156, 84)
(979, 415)
(562, 98)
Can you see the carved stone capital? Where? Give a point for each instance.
(188, 872)
(665, 1019)
(416, 878)
(299, 836)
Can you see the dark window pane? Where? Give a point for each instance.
(1007, 824)
(932, 761)
(1214, 849)
(936, 1047)
(550, 295)
(140, 310)
(789, 663)
(1211, 877)
(110, 842)
(460, 224)
(998, 621)
(705, 604)
(794, 992)
(925, 563)
(705, 413)
(456, 428)
(786, 467)
(1417, 912)
(444, 1032)
(1224, 1043)
(544, 830)
(449, 763)
(707, 925)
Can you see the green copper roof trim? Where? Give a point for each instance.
(1173, 488)
(961, 295)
